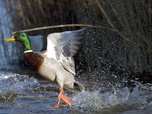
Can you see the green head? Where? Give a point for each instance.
(21, 37)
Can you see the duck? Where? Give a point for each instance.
(56, 63)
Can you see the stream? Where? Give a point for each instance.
(25, 92)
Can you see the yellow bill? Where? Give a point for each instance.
(10, 38)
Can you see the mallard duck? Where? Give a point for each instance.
(56, 63)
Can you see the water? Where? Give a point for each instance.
(22, 93)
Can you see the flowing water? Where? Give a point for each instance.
(22, 93)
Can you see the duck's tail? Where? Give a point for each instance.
(77, 87)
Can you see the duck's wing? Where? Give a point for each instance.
(38, 43)
(69, 42)
(66, 42)
(62, 46)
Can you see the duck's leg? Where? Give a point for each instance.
(63, 97)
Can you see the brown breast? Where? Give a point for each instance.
(34, 59)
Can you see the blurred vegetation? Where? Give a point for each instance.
(126, 45)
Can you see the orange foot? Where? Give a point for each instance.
(63, 97)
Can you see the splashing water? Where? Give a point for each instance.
(12, 84)
(139, 98)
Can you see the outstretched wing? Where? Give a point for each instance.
(69, 41)
(62, 46)
(65, 42)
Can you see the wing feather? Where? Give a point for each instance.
(66, 42)
(37, 43)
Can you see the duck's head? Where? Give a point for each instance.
(21, 37)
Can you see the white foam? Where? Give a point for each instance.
(139, 98)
